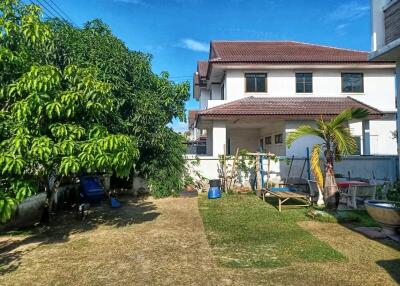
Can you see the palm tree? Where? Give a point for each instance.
(336, 142)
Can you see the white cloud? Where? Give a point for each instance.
(194, 45)
(341, 29)
(349, 11)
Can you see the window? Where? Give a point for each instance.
(261, 144)
(256, 82)
(304, 82)
(268, 140)
(278, 138)
(352, 82)
(222, 92)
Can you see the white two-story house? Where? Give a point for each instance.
(253, 93)
(385, 38)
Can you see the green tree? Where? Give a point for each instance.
(146, 102)
(336, 142)
(53, 118)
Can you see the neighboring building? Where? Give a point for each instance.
(251, 94)
(385, 38)
(196, 140)
(194, 133)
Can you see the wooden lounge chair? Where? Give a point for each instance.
(284, 194)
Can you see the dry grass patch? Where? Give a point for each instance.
(150, 242)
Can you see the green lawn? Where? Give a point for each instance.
(243, 231)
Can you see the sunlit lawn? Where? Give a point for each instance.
(243, 231)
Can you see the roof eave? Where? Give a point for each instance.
(275, 116)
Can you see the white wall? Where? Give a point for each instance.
(244, 138)
(216, 91)
(299, 147)
(384, 168)
(379, 86)
(274, 128)
(218, 138)
(204, 98)
(377, 24)
(381, 137)
(382, 141)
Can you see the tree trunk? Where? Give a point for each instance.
(50, 189)
(331, 190)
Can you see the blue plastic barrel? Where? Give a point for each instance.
(91, 190)
(214, 193)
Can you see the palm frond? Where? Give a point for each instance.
(343, 141)
(359, 113)
(303, 130)
(337, 155)
(323, 126)
(315, 165)
(348, 114)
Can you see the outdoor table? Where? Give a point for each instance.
(349, 191)
(346, 184)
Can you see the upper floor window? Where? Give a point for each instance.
(222, 91)
(352, 82)
(256, 82)
(304, 83)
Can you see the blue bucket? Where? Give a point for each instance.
(214, 193)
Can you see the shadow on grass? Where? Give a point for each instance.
(362, 219)
(392, 267)
(66, 223)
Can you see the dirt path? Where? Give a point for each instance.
(162, 242)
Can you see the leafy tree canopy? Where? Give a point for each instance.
(76, 101)
(146, 102)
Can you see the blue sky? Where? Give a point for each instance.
(178, 32)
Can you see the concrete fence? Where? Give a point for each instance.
(379, 168)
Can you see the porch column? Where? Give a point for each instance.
(209, 141)
(366, 138)
(218, 138)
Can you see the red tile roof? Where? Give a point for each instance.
(202, 67)
(286, 108)
(192, 117)
(281, 52)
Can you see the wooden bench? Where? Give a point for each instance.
(284, 195)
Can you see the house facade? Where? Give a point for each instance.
(385, 38)
(252, 94)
